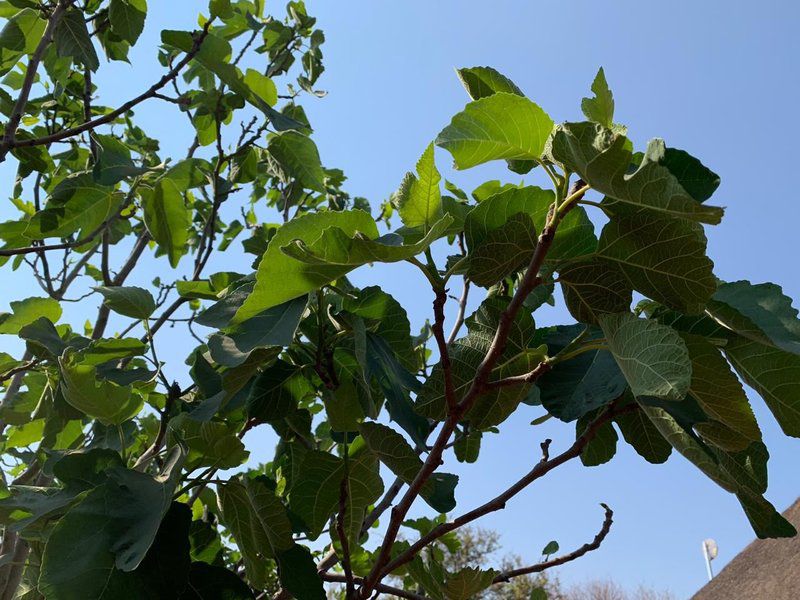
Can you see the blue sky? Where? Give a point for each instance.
(718, 79)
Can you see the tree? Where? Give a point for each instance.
(118, 477)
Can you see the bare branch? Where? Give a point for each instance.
(462, 309)
(565, 558)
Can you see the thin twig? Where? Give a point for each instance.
(506, 576)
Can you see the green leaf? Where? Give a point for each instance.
(258, 522)
(24, 312)
(550, 548)
(467, 583)
(387, 318)
(275, 326)
(466, 355)
(114, 161)
(298, 156)
(468, 447)
(664, 259)
(600, 108)
(262, 86)
(298, 574)
(602, 447)
(117, 523)
(71, 38)
(603, 158)
(742, 473)
(499, 126)
(276, 392)
(220, 8)
(314, 492)
(718, 391)
(209, 443)
(77, 204)
(127, 18)
(503, 251)
(574, 237)
(111, 404)
(419, 199)
(365, 487)
(579, 385)
(207, 582)
(774, 374)
(337, 250)
(639, 431)
(485, 81)
(20, 35)
(130, 301)
(697, 179)
(393, 451)
(652, 356)
(760, 312)
(593, 288)
(168, 219)
(281, 278)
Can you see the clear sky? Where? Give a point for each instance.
(717, 78)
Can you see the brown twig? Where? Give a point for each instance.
(385, 589)
(506, 576)
(499, 502)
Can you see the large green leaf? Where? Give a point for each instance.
(600, 108)
(574, 237)
(275, 326)
(314, 493)
(664, 259)
(500, 126)
(392, 450)
(108, 402)
(581, 384)
(114, 162)
(24, 312)
(298, 156)
(419, 199)
(387, 318)
(774, 374)
(652, 356)
(262, 530)
(71, 38)
(117, 522)
(168, 219)
(276, 392)
(603, 159)
(127, 18)
(603, 446)
(485, 81)
(639, 431)
(593, 288)
(718, 391)
(207, 582)
(760, 312)
(209, 443)
(79, 205)
(20, 35)
(742, 473)
(130, 301)
(281, 277)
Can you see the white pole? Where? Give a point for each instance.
(708, 561)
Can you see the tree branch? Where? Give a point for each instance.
(386, 589)
(499, 502)
(9, 136)
(111, 116)
(543, 566)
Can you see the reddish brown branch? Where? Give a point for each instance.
(547, 564)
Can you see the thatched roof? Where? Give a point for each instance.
(766, 569)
